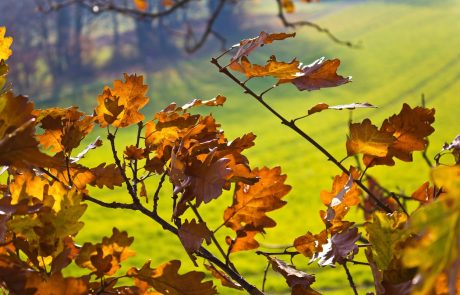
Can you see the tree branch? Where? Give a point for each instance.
(296, 129)
(320, 29)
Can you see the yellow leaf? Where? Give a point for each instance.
(5, 43)
(367, 139)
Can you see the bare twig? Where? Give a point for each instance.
(265, 275)
(350, 278)
(320, 29)
(156, 196)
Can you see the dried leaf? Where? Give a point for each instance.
(365, 138)
(320, 74)
(252, 202)
(293, 276)
(340, 247)
(133, 153)
(105, 258)
(454, 147)
(192, 235)
(410, 129)
(216, 101)
(318, 108)
(309, 243)
(18, 145)
(274, 68)
(247, 46)
(424, 194)
(108, 176)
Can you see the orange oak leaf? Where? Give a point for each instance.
(344, 190)
(18, 145)
(5, 43)
(274, 68)
(56, 284)
(247, 46)
(365, 138)
(166, 279)
(320, 74)
(141, 4)
(299, 281)
(309, 243)
(134, 153)
(224, 279)
(409, 128)
(252, 202)
(192, 235)
(105, 258)
(424, 194)
(244, 239)
(167, 3)
(120, 106)
(64, 128)
(108, 176)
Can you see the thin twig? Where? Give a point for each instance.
(320, 29)
(350, 278)
(265, 275)
(156, 196)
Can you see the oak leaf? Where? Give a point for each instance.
(192, 235)
(274, 68)
(309, 243)
(18, 145)
(247, 46)
(365, 138)
(105, 258)
(409, 128)
(134, 153)
(106, 175)
(252, 202)
(166, 279)
(340, 247)
(320, 74)
(454, 147)
(290, 273)
(5, 43)
(93, 145)
(424, 194)
(120, 106)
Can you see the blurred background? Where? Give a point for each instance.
(66, 51)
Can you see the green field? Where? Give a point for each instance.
(406, 50)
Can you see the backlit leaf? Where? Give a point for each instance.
(365, 138)
(320, 74)
(120, 106)
(225, 280)
(247, 46)
(252, 202)
(5, 43)
(141, 4)
(273, 68)
(288, 6)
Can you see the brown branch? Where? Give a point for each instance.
(103, 6)
(265, 275)
(319, 28)
(296, 129)
(350, 278)
(156, 196)
(208, 30)
(112, 205)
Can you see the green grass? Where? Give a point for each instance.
(406, 50)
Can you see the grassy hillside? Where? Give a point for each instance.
(406, 50)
